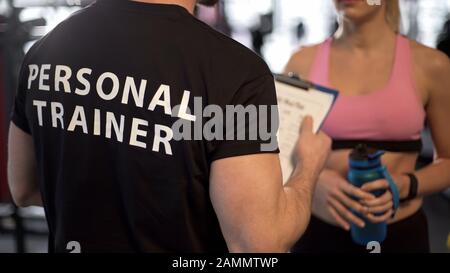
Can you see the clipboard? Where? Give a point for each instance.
(296, 99)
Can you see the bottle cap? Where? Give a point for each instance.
(365, 155)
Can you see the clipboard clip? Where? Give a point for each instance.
(294, 80)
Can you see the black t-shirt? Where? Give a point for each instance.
(96, 95)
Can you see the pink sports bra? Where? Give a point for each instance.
(391, 118)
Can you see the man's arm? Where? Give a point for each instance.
(22, 177)
(258, 214)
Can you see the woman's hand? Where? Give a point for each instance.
(381, 209)
(335, 198)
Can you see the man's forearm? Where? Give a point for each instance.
(279, 228)
(298, 194)
(35, 199)
(32, 198)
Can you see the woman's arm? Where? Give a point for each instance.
(433, 78)
(436, 177)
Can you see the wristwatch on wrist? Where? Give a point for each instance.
(413, 187)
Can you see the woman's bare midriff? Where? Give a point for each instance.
(397, 163)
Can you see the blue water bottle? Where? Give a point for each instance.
(365, 166)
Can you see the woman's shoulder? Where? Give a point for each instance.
(431, 61)
(302, 60)
(432, 69)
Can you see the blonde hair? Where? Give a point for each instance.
(393, 15)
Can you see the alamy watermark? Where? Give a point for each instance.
(232, 122)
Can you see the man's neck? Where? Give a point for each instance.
(187, 4)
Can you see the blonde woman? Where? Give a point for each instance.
(389, 87)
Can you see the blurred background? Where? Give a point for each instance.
(272, 28)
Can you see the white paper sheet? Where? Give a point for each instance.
(294, 104)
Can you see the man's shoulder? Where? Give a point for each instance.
(228, 49)
(61, 27)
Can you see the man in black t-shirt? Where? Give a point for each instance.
(93, 137)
